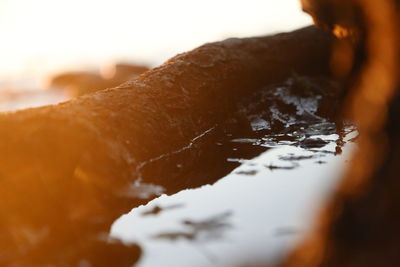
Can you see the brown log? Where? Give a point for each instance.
(74, 163)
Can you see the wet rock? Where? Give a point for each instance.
(78, 83)
(84, 82)
(310, 143)
(76, 167)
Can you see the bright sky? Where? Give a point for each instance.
(40, 36)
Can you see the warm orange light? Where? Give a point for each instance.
(49, 36)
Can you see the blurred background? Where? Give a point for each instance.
(52, 50)
(43, 38)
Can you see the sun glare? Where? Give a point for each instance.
(45, 36)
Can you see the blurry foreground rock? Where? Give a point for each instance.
(68, 171)
(80, 83)
(360, 224)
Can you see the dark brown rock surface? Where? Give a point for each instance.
(67, 170)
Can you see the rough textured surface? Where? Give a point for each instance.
(68, 169)
(106, 134)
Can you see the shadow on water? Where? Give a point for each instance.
(272, 116)
(297, 130)
(212, 228)
(295, 112)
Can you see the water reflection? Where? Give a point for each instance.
(270, 198)
(206, 229)
(269, 210)
(157, 209)
(290, 131)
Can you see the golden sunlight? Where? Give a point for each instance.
(45, 36)
(276, 148)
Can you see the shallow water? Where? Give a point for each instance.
(242, 192)
(254, 214)
(262, 207)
